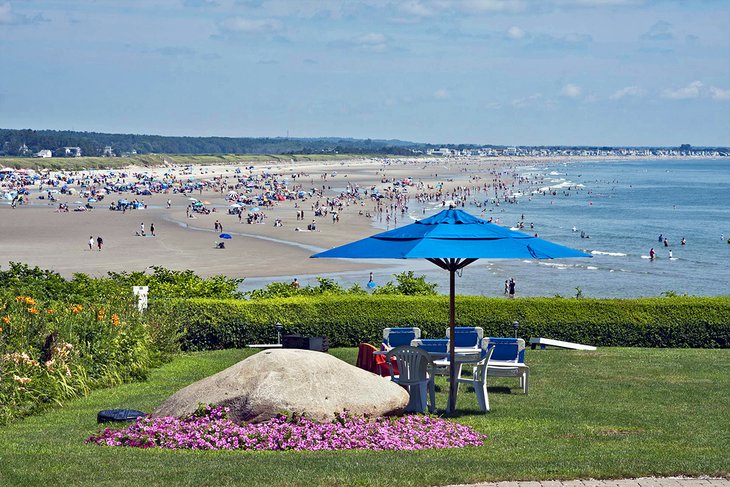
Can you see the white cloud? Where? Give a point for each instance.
(571, 91)
(373, 41)
(515, 33)
(441, 94)
(416, 8)
(6, 13)
(628, 91)
(528, 100)
(692, 90)
(8, 17)
(598, 3)
(252, 26)
(660, 31)
(492, 5)
(719, 93)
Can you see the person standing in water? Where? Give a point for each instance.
(652, 254)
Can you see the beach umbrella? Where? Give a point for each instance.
(225, 235)
(451, 239)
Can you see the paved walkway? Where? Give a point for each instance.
(640, 482)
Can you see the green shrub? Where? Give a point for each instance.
(53, 350)
(347, 320)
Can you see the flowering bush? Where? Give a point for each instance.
(54, 350)
(211, 430)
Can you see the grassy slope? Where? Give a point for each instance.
(611, 413)
(151, 160)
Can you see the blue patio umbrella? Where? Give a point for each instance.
(451, 239)
(225, 235)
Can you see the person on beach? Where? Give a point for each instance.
(169, 203)
(91, 242)
(512, 284)
(506, 287)
(99, 242)
(152, 229)
(670, 254)
(141, 229)
(295, 283)
(666, 242)
(371, 283)
(652, 254)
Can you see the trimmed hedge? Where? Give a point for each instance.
(696, 322)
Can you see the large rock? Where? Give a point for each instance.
(299, 381)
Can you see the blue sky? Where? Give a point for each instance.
(609, 72)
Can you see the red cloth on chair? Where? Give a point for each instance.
(372, 363)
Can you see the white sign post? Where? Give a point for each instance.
(141, 293)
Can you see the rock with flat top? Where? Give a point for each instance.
(289, 380)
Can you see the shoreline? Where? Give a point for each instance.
(37, 235)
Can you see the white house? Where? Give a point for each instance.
(43, 153)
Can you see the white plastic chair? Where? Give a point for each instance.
(479, 377)
(413, 365)
(506, 360)
(440, 366)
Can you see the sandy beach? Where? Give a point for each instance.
(37, 234)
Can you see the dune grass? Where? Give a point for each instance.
(155, 160)
(618, 412)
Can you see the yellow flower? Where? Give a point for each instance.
(20, 298)
(21, 380)
(50, 311)
(33, 311)
(29, 300)
(76, 308)
(6, 319)
(115, 319)
(1, 329)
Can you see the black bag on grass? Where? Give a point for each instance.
(118, 415)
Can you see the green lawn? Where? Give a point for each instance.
(618, 412)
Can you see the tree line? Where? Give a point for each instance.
(28, 142)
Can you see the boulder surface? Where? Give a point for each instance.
(294, 381)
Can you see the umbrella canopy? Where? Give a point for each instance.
(451, 239)
(225, 235)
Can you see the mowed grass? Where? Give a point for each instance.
(617, 412)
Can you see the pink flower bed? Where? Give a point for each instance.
(210, 430)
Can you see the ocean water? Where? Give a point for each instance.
(622, 207)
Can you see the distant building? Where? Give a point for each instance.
(108, 152)
(72, 151)
(43, 153)
(443, 151)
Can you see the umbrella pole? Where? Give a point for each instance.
(453, 385)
